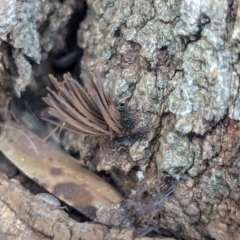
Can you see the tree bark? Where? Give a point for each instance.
(177, 63)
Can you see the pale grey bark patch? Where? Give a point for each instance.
(32, 30)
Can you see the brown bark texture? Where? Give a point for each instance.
(25, 217)
(173, 63)
(178, 63)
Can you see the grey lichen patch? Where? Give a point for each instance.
(214, 185)
(31, 29)
(215, 31)
(236, 30)
(141, 15)
(234, 110)
(8, 18)
(175, 155)
(207, 89)
(124, 88)
(147, 93)
(166, 11)
(148, 44)
(210, 83)
(161, 35)
(19, 30)
(110, 16)
(199, 164)
(117, 13)
(26, 31)
(24, 71)
(188, 24)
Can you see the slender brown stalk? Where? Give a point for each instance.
(86, 110)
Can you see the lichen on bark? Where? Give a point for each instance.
(179, 62)
(176, 63)
(31, 30)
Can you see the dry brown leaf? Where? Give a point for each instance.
(59, 173)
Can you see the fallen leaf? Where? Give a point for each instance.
(59, 173)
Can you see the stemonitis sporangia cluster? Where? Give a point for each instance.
(91, 110)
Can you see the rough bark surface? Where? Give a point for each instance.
(25, 217)
(178, 63)
(28, 32)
